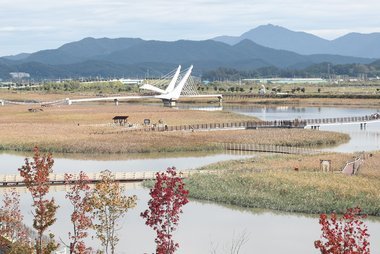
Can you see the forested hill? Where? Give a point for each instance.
(136, 57)
(322, 70)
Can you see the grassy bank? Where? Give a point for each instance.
(89, 129)
(272, 183)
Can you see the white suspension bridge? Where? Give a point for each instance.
(176, 85)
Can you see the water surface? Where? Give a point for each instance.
(11, 162)
(367, 139)
(207, 226)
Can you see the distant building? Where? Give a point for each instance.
(130, 81)
(286, 80)
(6, 84)
(19, 75)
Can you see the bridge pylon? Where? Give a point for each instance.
(169, 102)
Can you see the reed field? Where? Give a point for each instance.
(89, 129)
(271, 182)
(35, 96)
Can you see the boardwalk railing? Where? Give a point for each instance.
(270, 148)
(354, 119)
(216, 126)
(17, 180)
(296, 123)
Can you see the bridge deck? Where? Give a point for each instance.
(112, 98)
(59, 179)
(202, 96)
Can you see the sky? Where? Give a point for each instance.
(32, 25)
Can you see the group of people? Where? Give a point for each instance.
(375, 116)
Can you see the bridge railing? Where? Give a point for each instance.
(59, 178)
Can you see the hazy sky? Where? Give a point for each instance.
(31, 25)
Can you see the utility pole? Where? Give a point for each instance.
(328, 73)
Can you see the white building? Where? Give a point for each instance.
(19, 75)
(286, 80)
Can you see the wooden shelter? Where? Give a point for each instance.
(121, 120)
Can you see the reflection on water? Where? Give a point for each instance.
(268, 113)
(11, 162)
(367, 139)
(205, 225)
(361, 139)
(116, 156)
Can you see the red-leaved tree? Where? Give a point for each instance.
(36, 179)
(167, 198)
(345, 235)
(81, 217)
(11, 225)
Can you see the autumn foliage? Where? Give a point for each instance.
(108, 204)
(81, 217)
(345, 235)
(167, 198)
(11, 217)
(36, 179)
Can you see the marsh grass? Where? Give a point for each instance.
(272, 183)
(84, 128)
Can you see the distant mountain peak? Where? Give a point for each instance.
(278, 37)
(17, 57)
(270, 26)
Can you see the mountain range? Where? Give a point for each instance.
(277, 37)
(263, 46)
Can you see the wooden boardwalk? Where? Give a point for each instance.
(7, 180)
(270, 148)
(295, 123)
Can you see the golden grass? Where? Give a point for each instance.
(79, 128)
(286, 162)
(278, 186)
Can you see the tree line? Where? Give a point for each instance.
(322, 70)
